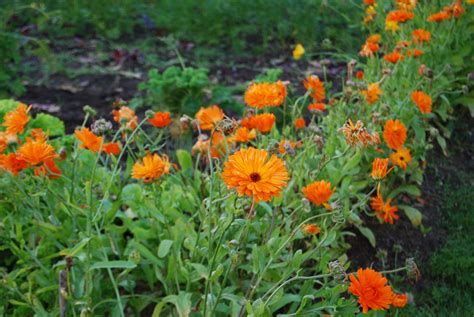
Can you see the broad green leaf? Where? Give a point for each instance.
(185, 160)
(412, 190)
(413, 214)
(366, 232)
(164, 248)
(52, 125)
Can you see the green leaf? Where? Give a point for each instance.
(52, 125)
(77, 248)
(410, 189)
(7, 105)
(164, 248)
(113, 265)
(413, 214)
(185, 160)
(366, 232)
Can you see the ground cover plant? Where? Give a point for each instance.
(212, 212)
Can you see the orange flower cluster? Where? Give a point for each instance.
(372, 290)
(422, 101)
(95, 143)
(454, 10)
(126, 117)
(384, 210)
(151, 168)
(371, 46)
(261, 95)
(421, 36)
(319, 193)
(372, 93)
(160, 120)
(254, 174)
(395, 17)
(209, 117)
(315, 87)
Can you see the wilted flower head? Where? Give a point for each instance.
(357, 134)
(101, 126)
(380, 169)
(372, 93)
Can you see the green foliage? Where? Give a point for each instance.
(7, 105)
(54, 126)
(176, 89)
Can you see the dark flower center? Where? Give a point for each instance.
(255, 177)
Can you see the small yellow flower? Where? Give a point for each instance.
(298, 52)
(392, 26)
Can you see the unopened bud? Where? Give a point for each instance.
(89, 110)
(149, 114)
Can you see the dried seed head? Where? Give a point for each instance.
(386, 71)
(101, 126)
(338, 271)
(412, 269)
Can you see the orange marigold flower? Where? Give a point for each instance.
(316, 107)
(111, 148)
(420, 36)
(160, 120)
(399, 16)
(399, 300)
(369, 2)
(422, 101)
(414, 52)
(401, 157)
(372, 93)
(374, 38)
(12, 163)
(384, 210)
(38, 134)
(209, 117)
(319, 193)
(49, 169)
(89, 140)
(380, 169)
(407, 5)
(368, 49)
(16, 120)
(394, 134)
(220, 145)
(300, 123)
(126, 116)
(393, 57)
(310, 229)
(264, 122)
(360, 74)
(253, 173)
(36, 152)
(151, 168)
(244, 135)
(316, 86)
(438, 17)
(248, 122)
(260, 95)
(372, 289)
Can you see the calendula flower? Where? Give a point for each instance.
(310, 229)
(12, 163)
(358, 134)
(393, 57)
(372, 93)
(89, 140)
(209, 117)
(244, 135)
(360, 75)
(380, 168)
(298, 52)
(371, 13)
(401, 157)
(414, 52)
(151, 168)
(261, 95)
(220, 144)
(384, 210)
(399, 16)
(111, 148)
(392, 26)
(36, 152)
(300, 123)
(399, 300)
(422, 101)
(421, 36)
(125, 116)
(49, 169)
(406, 5)
(438, 17)
(253, 173)
(394, 134)
(372, 290)
(6, 139)
(369, 2)
(160, 120)
(16, 120)
(319, 193)
(371, 46)
(316, 88)
(264, 122)
(248, 122)
(316, 107)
